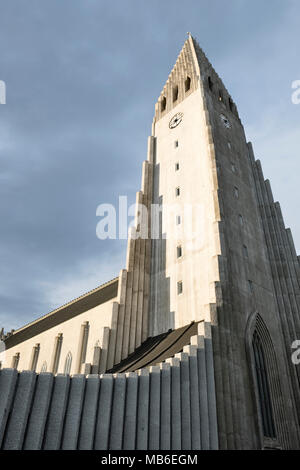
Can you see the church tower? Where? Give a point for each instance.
(191, 346)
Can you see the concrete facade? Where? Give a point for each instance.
(221, 257)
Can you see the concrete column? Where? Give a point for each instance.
(82, 345)
(154, 409)
(34, 357)
(104, 412)
(16, 427)
(203, 399)
(57, 411)
(117, 414)
(175, 403)
(89, 413)
(165, 407)
(56, 353)
(210, 377)
(73, 413)
(8, 380)
(96, 359)
(39, 412)
(130, 419)
(143, 410)
(120, 329)
(112, 336)
(194, 397)
(104, 342)
(186, 442)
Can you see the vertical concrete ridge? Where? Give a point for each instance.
(168, 406)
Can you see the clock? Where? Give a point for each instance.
(225, 121)
(176, 120)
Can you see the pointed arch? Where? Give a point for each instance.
(68, 363)
(265, 379)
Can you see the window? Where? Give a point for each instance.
(176, 143)
(68, 363)
(15, 361)
(187, 84)
(163, 103)
(44, 367)
(220, 96)
(245, 250)
(34, 357)
(176, 166)
(233, 168)
(56, 353)
(236, 192)
(178, 220)
(177, 192)
(250, 286)
(179, 251)
(230, 102)
(179, 287)
(229, 145)
(263, 387)
(241, 220)
(210, 84)
(175, 93)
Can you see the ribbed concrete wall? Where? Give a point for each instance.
(168, 406)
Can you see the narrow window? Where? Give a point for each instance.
(245, 250)
(56, 353)
(176, 143)
(179, 287)
(15, 361)
(229, 145)
(220, 96)
(44, 367)
(68, 363)
(236, 192)
(233, 168)
(179, 251)
(241, 220)
(264, 394)
(34, 357)
(177, 192)
(163, 103)
(187, 84)
(230, 102)
(176, 166)
(210, 84)
(250, 286)
(178, 220)
(175, 93)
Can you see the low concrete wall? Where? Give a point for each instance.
(168, 406)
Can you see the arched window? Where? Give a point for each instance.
(175, 93)
(266, 384)
(68, 363)
(44, 367)
(187, 84)
(263, 387)
(163, 103)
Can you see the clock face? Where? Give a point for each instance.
(175, 120)
(225, 121)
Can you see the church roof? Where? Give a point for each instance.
(71, 309)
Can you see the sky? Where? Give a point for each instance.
(82, 78)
